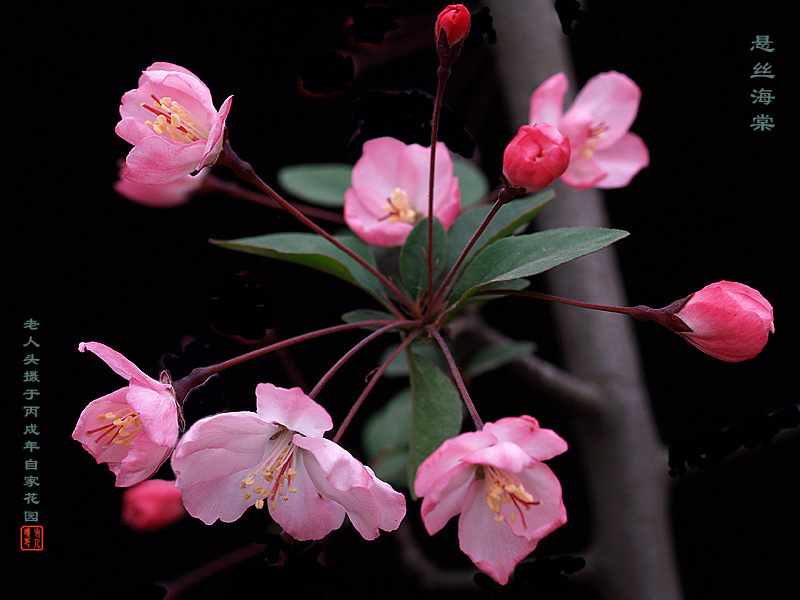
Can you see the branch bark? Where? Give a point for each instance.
(626, 464)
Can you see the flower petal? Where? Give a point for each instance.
(445, 499)
(583, 173)
(141, 462)
(547, 102)
(613, 99)
(155, 159)
(118, 363)
(506, 456)
(526, 433)
(622, 161)
(292, 409)
(448, 456)
(157, 411)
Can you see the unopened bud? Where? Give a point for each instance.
(152, 505)
(453, 21)
(536, 157)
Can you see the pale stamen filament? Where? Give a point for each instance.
(277, 470)
(174, 120)
(596, 133)
(125, 425)
(505, 488)
(398, 208)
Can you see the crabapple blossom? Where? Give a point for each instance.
(171, 121)
(604, 153)
(728, 320)
(536, 157)
(453, 21)
(133, 429)
(152, 505)
(507, 498)
(276, 457)
(159, 195)
(389, 194)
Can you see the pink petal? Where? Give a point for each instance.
(155, 159)
(141, 462)
(89, 420)
(215, 136)
(378, 165)
(492, 546)
(392, 503)
(118, 363)
(525, 432)
(613, 99)
(292, 409)
(132, 130)
(622, 161)
(187, 90)
(506, 456)
(448, 456)
(306, 515)
(166, 195)
(583, 173)
(157, 411)
(540, 520)
(547, 101)
(445, 499)
(575, 125)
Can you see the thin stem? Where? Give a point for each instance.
(357, 404)
(353, 350)
(456, 376)
(198, 376)
(245, 171)
(229, 188)
(443, 74)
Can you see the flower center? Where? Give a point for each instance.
(277, 470)
(596, 133)
(505, 488)
(174, 120)
(125, 425)
(398, 208)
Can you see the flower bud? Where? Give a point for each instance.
(536, 157)
(454, 22)
(152, 505)
(728, 320)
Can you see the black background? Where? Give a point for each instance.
(718, 202)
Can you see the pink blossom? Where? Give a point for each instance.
(171, 121)
(133, 429)
(453, 21)
(536, 157)
(152, 505)
(277, 457)
(604, 153)
(494, 478)
(390, 191)
(159, 195)
(728, 320)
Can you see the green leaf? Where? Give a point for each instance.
(436, 415)
(508, 219)
(525, 255)
(399, 366)
(323, 184)
(386, 436)
(314, 251)
(494, 356)
(413, 265)
(367, 314)
(471, 181)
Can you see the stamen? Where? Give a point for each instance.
(174, 120)
(125, 425)
(505, 488)
(277, 470)
(399, 208)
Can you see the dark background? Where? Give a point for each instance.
(717, 202)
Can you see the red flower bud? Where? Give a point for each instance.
(454, 22)
(152, 505)
(536, 157)
(727, 320)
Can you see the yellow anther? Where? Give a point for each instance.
(398, 208)
(260, 503)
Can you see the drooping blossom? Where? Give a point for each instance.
(453, 21)
(133, 429)
(276, 457)
(152, 505)
(604, 153)
(507, 498)
(728, 320)
(536, 157)
(171, 121)
(389, 194)
(159, 195)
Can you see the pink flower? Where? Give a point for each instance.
(390, 191)
(152, 505)
(159, 195)
(133, 429)
(454, 22)
(536, 157)
(171, 121)
(507, 498)
(604, 153)
(728, 320)
(277, 457)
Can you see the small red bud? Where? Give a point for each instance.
(454, 22)
(536, 157)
